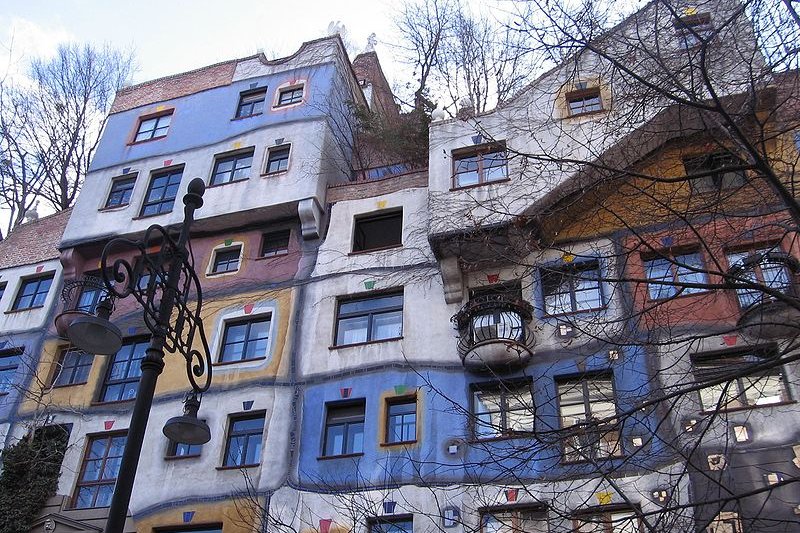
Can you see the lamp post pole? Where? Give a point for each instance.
(171, 285)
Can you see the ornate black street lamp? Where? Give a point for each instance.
(167, 287)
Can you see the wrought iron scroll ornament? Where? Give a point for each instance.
(148, 280)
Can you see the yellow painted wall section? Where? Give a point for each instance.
(236, 516)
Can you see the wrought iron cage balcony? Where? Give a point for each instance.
(494, 332)
(80, 297)
(766, 315)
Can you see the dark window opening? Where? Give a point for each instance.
(278, 160)
(374, 232)
(344, 429)
(153, 128)
(226, 260)
(33, 292)
(251, 103)
(714, 172)
(162, 192)
(290, 96)
(275, 243)
(121, 190)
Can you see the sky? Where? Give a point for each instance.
(170, 36)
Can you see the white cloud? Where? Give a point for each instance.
(22, 39)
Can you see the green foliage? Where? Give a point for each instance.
(396, 139)
(30, 476)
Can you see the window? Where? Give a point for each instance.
(344, 429)
(713, 172)
(9, 362)
(226, 260)
(275, 243)
(99, 471)
(121, 190)
(401, 420)
(2, 290)
(73, 367)
(278, 159)
(581, 404)
(153, 128)
(477, 166)
(244, 440)
(584, 101)
(611, 522)
(92, 292)
(122, 378)
(245, 339)
(290, 95)
(765, 267)
(378, 231)
(571, 288)
(669, 275)
(392, 525)
(378, 173)
(162, 192)
(251, 103)
(232, 168)
(502, 409)
(514, 521)
(33, 292)
(496, 320)
(693, 30)
(181, 449)
(744, 389)
(369, 319)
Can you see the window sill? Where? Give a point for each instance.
(381, 249)
(12, 311)
(227, 363)
(237, 467)
(507, 436)
(246, 116)
(113, 208)
(134, 143)
(586, 114)
(142, 217)
(337, 346)
(273, 256)
(678, 296)
(748, 408)
(179, 457)
(272, 174)
(345, 456)
(398, 444)
(222, 274)
(113, 402)
(482, 184)
(215, 185)
(281, 107)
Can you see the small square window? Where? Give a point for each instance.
(99, 471)
(584, 101)
(73, 367)
(226, 260)
(182, 449)
(401, 420)
(344, 429)
(378, 231)
(392, 525)
(275, 243)
(251, 103)
(715, 172)
(234, 167)
(162, 192)
(123, 373)
(671, 275)
(153, 127)
(278, 159)
(693, 30)
(369, 319)
(243, 447)
(290, 95)
(33, 292)
(10, 360)
(245, 339)
(480, 165)
(571, 288)
(121, 190)
(502, 409)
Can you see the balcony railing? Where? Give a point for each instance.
(80, 297)
(765, 315)
(494, 332)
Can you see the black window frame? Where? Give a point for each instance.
(292, 98)
(571, 272)
(390, 524)
(679, 268)
(276, 239)
(78, 369)
(156, 127)
(280, 155)
(37, 292)
(247, 434)
(101, 482)
(715, 172)
(164, 203)
(132, 362)
(389, 435)
(482, 170)
(360, 240)
(370, 314)
(10, 361)
(224, 256)
(250, 99)
(336, 415)
(228, 176)
(505, 389)
(123, 185)
(590, 431)
(248, 321)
